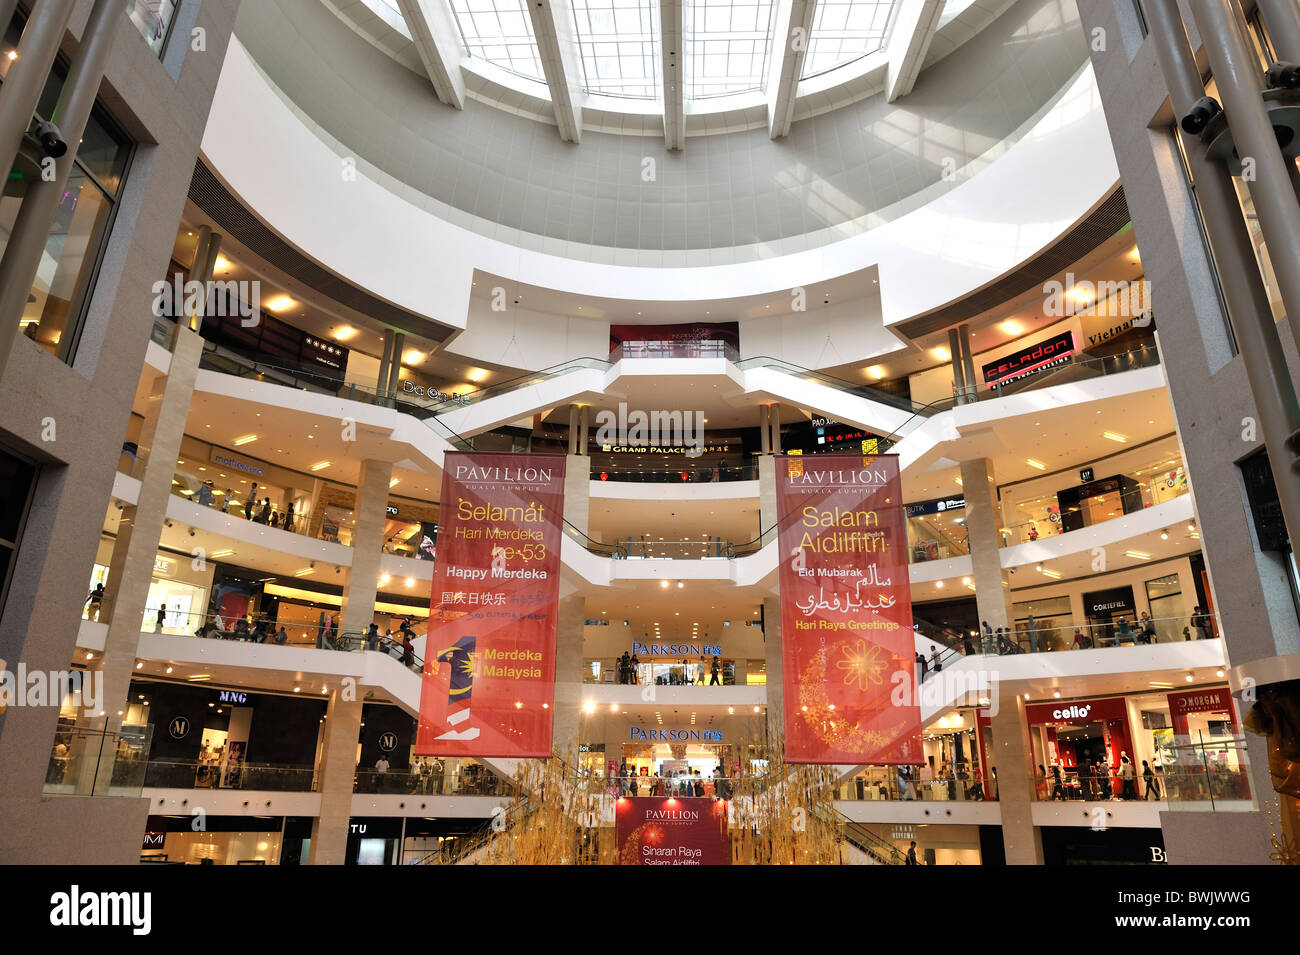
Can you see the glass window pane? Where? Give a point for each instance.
(63, 277)
(844, 31)
(152, 18)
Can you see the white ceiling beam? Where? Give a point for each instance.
(672, 58)
(791, 28)
(909, 41)
(557, 43)
(438, 43)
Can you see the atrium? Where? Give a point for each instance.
(595, 432)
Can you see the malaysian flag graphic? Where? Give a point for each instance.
(462, 660)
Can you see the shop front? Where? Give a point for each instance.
(1079, 746)
(178, 590)
(1098, 501)
(1203, 752)
(224, 840)
(1111, 616)
(936, 529)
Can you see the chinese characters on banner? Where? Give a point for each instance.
(489, 668)
(846, 612)
(659, 830)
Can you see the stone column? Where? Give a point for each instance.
(367, 547)
(570, 614)
(131, 566)
(776, 429)
(385, 366)
(335, 778)
(765, 428)
(981, 489)
(395, 366)
(767, 518)
(1012, 755)
(958, 369)
(577, 492)
(967, 362)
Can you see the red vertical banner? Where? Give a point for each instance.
(489, 668)
(671, 830)
(846, 612)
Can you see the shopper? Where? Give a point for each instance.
(911, 855)
(161, 619)
(1127, 776)
(205, 497)
(95, 600)
(966, 647)
(1033, 634)
(381, 764)
(1147, 629)
(281, 636)
(1201, 623)
(922, 667)
(1152, 784)
(989, 644)
(1058, 785)
(936, 663)
(225, 501)
(715, 672)
(1080, 641)
(372, 637)
(1124, 632)
(632, 664)
(408, 650)
(264, 516)
(250, 502)
(288, 517)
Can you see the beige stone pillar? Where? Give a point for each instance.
(567, 722)
(1012, 756)
(132, 563)
(767, 520)
(982, 514)
(335, 778)
(367, 547)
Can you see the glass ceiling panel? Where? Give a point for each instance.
(619, 40)
(844, 31)
(726, 46)
(500, 32)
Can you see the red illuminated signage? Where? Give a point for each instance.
(1053, 351)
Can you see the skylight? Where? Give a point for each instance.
(500, 32)
(619, 40)
(726, 46)
(844, 31)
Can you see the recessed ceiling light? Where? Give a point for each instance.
(246, 439)
(1114, 436)
(280, 303)
(1038, 465)
(320, 465)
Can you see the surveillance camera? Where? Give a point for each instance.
(1203, 110)
(1284, 76)
(169, 523)
(51, 140)
(191, 532)
(120, 506)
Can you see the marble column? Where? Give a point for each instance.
(367, 547)
(1011, 756)
(767, 516)
(570, 615)
(982, 522)
(140, 527)
(335, 778)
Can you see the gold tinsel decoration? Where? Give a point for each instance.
(785, 816)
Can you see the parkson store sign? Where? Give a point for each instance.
(675, 650)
